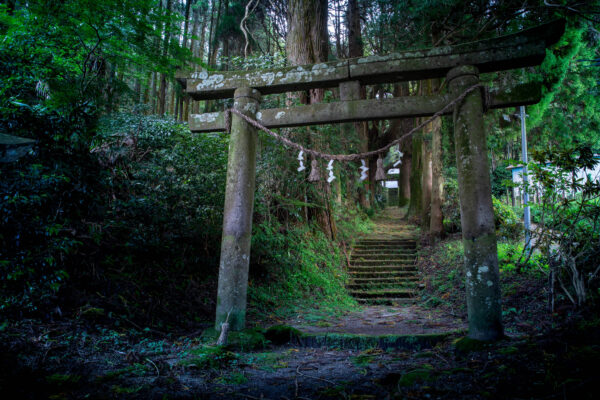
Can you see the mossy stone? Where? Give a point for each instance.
(245, 340)
(467, 345)
(281, 334)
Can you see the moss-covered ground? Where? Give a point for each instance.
(73, 360)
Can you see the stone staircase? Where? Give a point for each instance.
(383, 264)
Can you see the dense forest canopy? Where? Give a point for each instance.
(117, 207)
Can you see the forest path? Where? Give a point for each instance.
(385, 279)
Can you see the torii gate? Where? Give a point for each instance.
(460, 65)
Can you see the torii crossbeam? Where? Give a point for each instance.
(460, 65)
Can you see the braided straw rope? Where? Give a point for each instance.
(347, 157)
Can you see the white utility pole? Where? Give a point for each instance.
(526, 213)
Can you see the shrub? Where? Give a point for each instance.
(512, 258)
(507, 223)
(451, 205)
(569, 216)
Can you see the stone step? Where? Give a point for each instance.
(383, 252)
(382, 286)
(382, 293)
(384, 280)
(387, 302)
(380, 246)
(382, 268)
(383, 261)
(383, 274)
(359, 277)
(381, 255)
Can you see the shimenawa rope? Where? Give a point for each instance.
(348, 157)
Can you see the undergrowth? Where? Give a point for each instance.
(301, 268)
(523, 283)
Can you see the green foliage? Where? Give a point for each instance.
(451, 201)
(511, 258)
(234, 378)
(450, 258)
(70, 51)
(569, 217)
(61, 64)
(245, 340)
(62, 379)
(160, 189)
(169, 181)
(210, 357)
(467, 345)
(500, 180)
(507, 223)
(302, 266)
(38, 203)
(366, 357)
(569, 111)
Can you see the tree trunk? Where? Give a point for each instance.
(307, 43)
(195, 27)
(426, 178)
(414, 206)
(162, 96)
(436, 222)
(355, 49)
(405, 168)
(212, 60)
(338, 32)
(186, 21)
(172, 103)
(355, 43)
(151, 93)
(225, 39)
(200, 50)
(436, 219)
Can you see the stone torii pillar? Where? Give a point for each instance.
(476, 209)
(237, 214)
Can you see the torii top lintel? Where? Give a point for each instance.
(518, 50)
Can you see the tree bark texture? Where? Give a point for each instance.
(405, 168)
(307, 42)
(416, 196)
(426, 178)
(162, 91)
(436, 222)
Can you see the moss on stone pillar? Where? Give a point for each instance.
(477, 212)
(237, 215)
